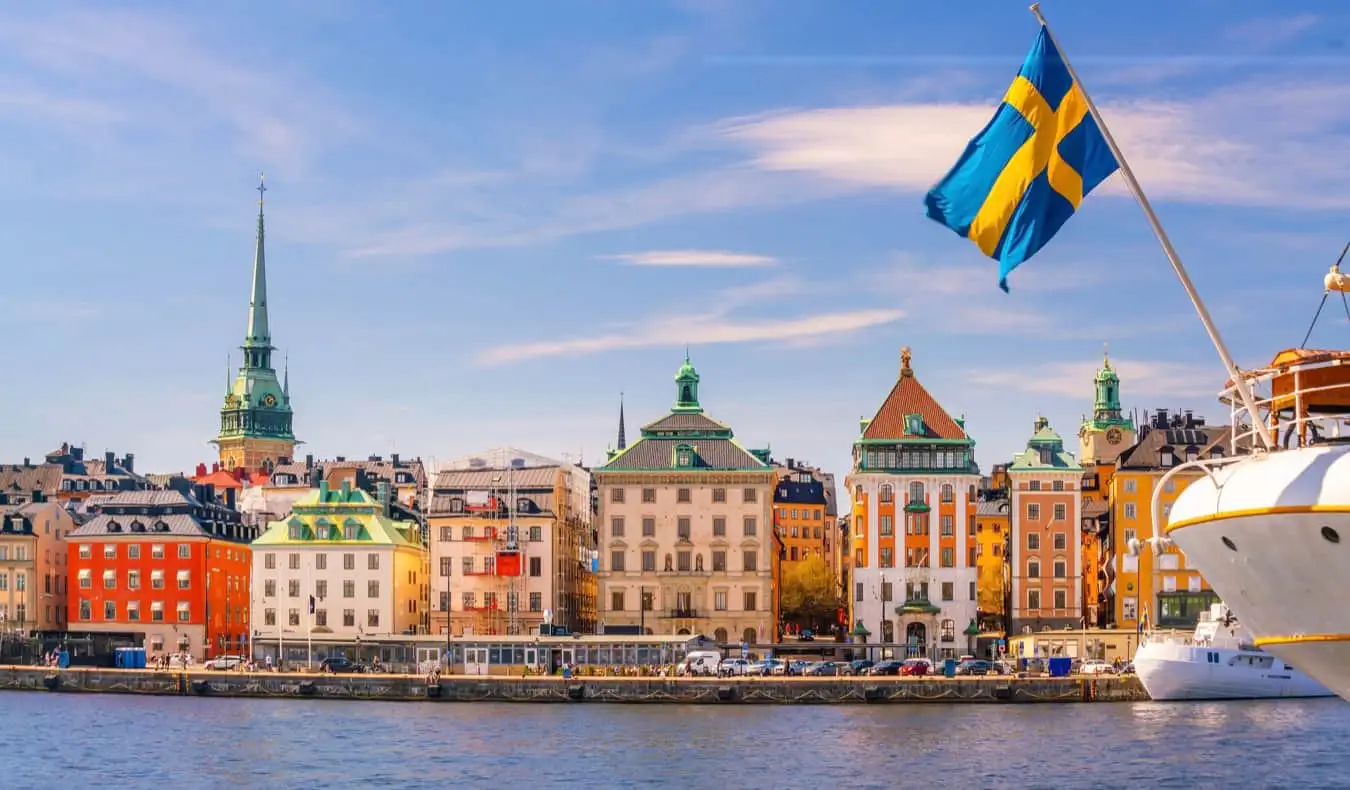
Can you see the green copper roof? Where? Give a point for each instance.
(1045, 451)
(686, 388)
(258, 333)
(1106, 411)
(349, 517)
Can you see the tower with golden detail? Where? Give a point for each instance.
(255, 422)
(1108, 431)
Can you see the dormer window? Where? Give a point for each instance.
(113, 526)
(914, 424)
(1192, 453)
(402, 478)
(456, 505)
(296, 529)
(1165, 458)
(161, 526)
(323, 528)
(524, 505)
(684, 455)
(1217, 452)
(137, 525)
(351, 529)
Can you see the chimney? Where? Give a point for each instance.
(323, 490)
(129, 463)
(393, 459)
(201, 470)
(341, 458)
(108, 462)
(229, 499)
(383, 495)
(26, 462)
(309, 461)
(346, 489)
(208, 493)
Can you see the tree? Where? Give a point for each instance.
(810, 592)
(990, 590)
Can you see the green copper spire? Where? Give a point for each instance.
(686, 388)
(1106, 411)
(259, 335)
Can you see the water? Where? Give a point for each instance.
(171, 742)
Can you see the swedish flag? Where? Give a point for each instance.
(1022, 177)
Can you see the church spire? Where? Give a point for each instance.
(286, 380)
(686, 388)
(623, 440)
(259, 335)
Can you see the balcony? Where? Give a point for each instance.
(488, 572)
(488, 536)
(683, 614)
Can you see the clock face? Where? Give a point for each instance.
(1113, 436)
(270, 400)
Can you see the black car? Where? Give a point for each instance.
(974, 667)
(885, 668)
(340, 665)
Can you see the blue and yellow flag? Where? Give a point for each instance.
(1022, 177)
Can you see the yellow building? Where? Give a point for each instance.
(1102, 438)
(1156, 588)
(992, 524)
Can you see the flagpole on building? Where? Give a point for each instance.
(1244, 390)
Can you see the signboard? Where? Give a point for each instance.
(745, 650)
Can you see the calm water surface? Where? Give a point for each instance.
(59, 740)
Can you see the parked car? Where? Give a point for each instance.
(798, 667)
(857, 667)
(699, 662)
(885, 668)
(916, 667)
(340, 665)
(734, 666)
(807, 635)
(819, 668)
(1097, 668)
(225, 663)
(974, 667)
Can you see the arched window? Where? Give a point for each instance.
(886, 493)
(948, 493)
(748, 636)
(720, 636)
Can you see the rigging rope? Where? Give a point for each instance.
(1332, 281)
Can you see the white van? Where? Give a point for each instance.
(699, 662)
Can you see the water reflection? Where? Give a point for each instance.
(187, 742)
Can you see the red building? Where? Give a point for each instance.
(165, 569)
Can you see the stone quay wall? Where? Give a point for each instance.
(469, 688)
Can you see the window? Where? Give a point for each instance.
(447, 565)
(156, 579)
(719, 527)
(1129, 487)
(974, 592)
(133, 552)
(321, 617)
(1129, 510)
(1034, 485)
(616, 495)
(1033, 511)
(720, 601)
(184, 551)
(348, 588)
(719, 561)
(750, 560)
(293, 588)
(133, 580)
(683, 528)
(184, 580)
(1033, 541)
(373, 588)
(373, 562)
(86, 551)
(916, 493)
(616, 561)
(948, 629)
(1033, 569)
(948, 494)
(269, 617)
(751, 601)
(947, 558)
(749, 495)
(648, 561)
(1058, 485)
(648, 527)
(616, 601)
(467, 563)
(349, 561)
(86, 580)
(648, 496)
(157, 611)
(110, 580)
(536, 566)
(184, 612)
(886, 494)
(683, 561)
(682, 495)
(719, 495)
(1061, 599)
(349, 618)
(616, 527)
(372, 618)
(948, 526)
(109, 551)
(134, 611)
(85, 610)
(1061, 512)
(1061, 569)
(750, 526)
(270, 561)
(886, 559)
(536, 602)
(320, 562)
(157, 552)
(1061, 540)
(1033, 599)
(109, 610)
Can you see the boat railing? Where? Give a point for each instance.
(1302, 398)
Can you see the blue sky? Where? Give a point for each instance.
(485, 220)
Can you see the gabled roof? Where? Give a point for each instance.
(686, 421)
(499, 458)
(27, 479)
(908, 396)
(310, 509)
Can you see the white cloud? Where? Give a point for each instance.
(697, 330)
(1146, 379)
(700, 258)
(1254, 144)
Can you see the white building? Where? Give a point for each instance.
(913, 489)
(339, 566)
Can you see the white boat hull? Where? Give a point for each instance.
(1271, 534)
(1172, 671)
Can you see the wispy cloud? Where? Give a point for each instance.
(1147, 379)
(1265, 33)
(696, 258)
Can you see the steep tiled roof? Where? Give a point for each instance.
(710, 455)
(685, 421)
(178, 524)
(483, 480)
(990, 509)
(27, 479)
(908, 396)
(1146, 452)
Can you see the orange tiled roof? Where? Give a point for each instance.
(908, 396)
(220, 478)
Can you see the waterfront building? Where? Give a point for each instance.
(1156, 587)
(166, 570)
(685, 528)
(993, 530)
(806, 523)
(255, 420)
(1103, 435)
(511, 545)
(340, 565)
(913, 490)
(32, 563)
(1046, 557)
(82, 478)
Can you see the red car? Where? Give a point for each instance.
(916, 667)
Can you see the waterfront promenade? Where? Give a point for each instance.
(490, 688)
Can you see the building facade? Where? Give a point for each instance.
(340, 565)
(82, 477)
(1102, 437)
(802, 514)
(255, 421)
(511, 545)
(33, 565)
(167, 570)
(913, 531)
(1047, 556)
(993, 530)
(686, 529)
(1156, 588)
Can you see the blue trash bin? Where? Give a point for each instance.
(949, 668)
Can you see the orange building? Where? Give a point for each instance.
(168, 570)
(805, 524)
(1046, 553)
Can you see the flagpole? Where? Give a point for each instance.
(1243, 388)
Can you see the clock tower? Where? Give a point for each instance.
(255, 422)
(1108, 432)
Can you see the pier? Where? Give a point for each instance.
(489, 688)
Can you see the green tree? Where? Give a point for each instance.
(810, 593)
